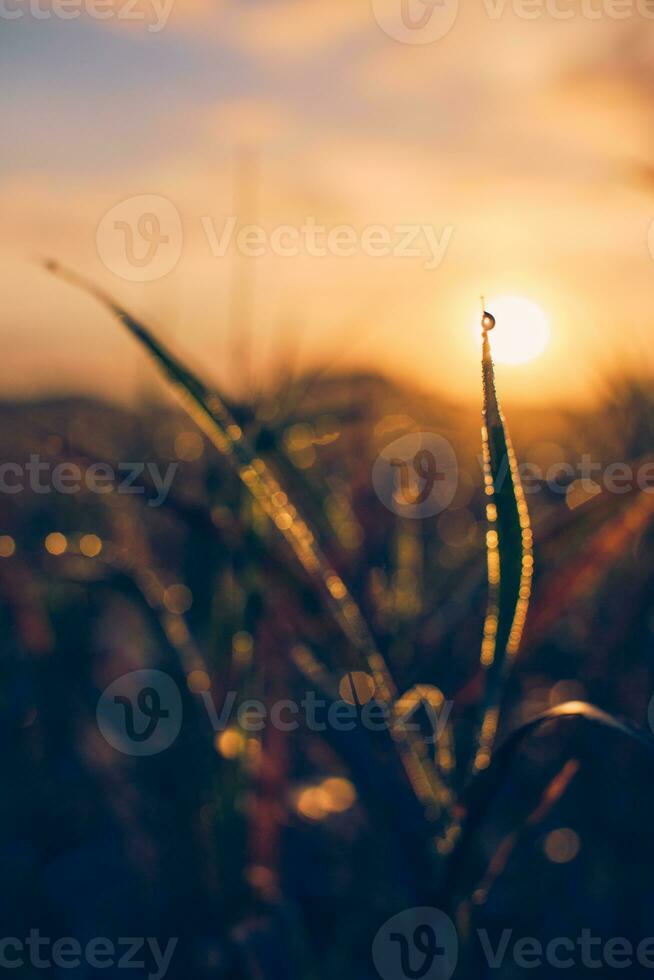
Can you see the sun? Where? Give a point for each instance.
(522, 330)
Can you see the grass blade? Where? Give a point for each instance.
(509, 551)
(210, 412)
(488, 785)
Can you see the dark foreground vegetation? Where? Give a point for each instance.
(277, 853)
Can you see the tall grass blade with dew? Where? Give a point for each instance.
(209, 410)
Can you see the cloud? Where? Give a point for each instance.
(273, 29)
(248, 121)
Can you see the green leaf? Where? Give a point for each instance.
(212, 414)
(510, 557)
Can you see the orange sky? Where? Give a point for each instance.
(516, 149)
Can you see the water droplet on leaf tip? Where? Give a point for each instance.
(487, 321)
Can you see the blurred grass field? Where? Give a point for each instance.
(287, 849)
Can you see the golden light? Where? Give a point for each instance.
(356, 687)
(340, 792)
(230, 743)
(242, 647)
(562, 845)
(178, 599)
(521, 332)
(198, 681)
(313, 803)
(333, 795)
(7, 546)
(189, 446)
(55, 543)
(90, 545)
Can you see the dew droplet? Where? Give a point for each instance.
(487, 321)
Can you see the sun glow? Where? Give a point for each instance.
(522, 330)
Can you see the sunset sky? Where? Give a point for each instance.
(523, 144)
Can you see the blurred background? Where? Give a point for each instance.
(510, 156)
(529, 138)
